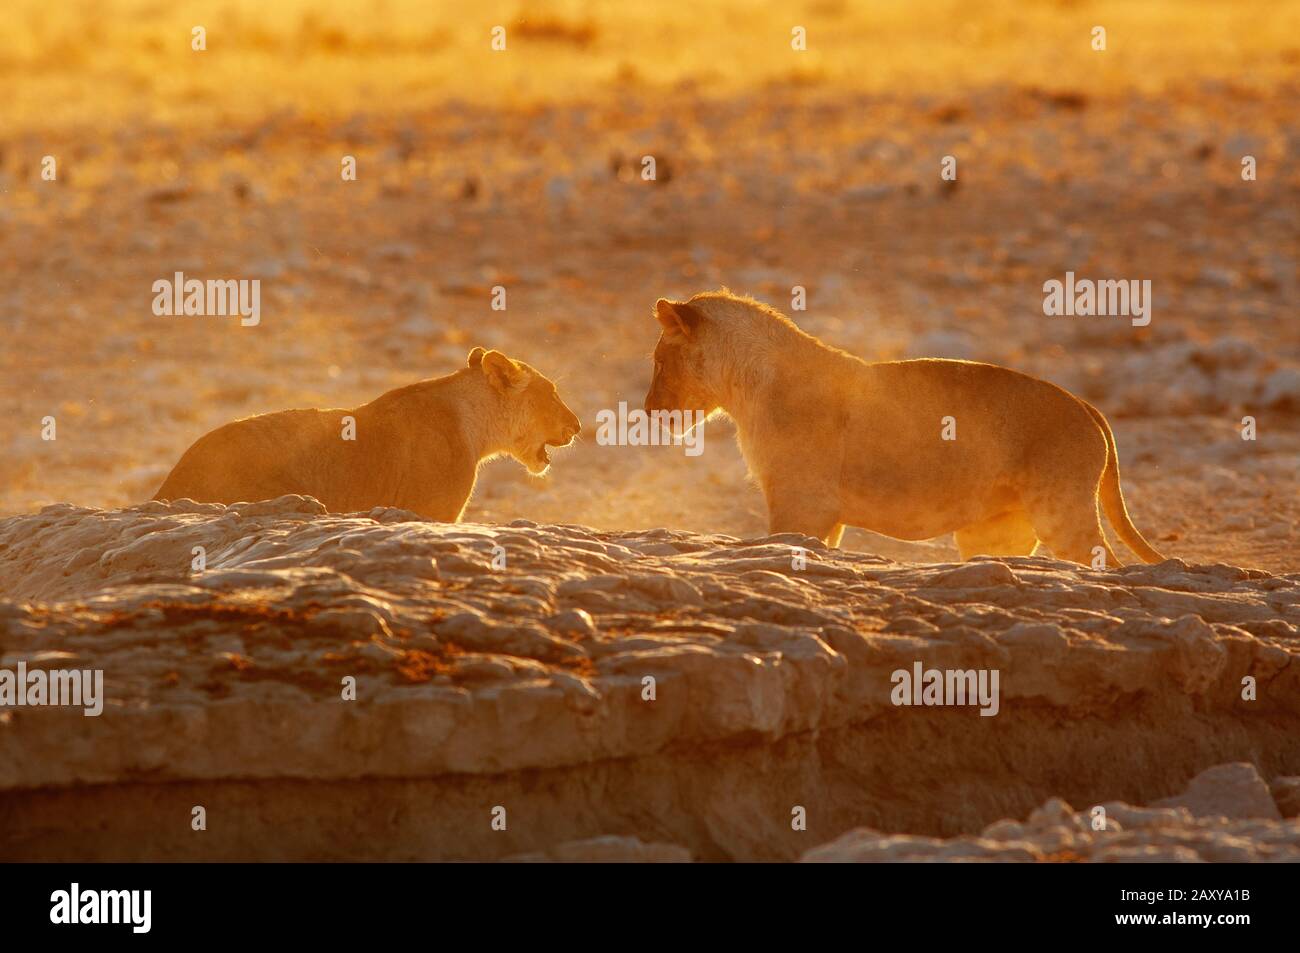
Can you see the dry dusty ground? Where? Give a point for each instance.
(775, 169)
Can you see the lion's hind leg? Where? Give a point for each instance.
(1069, 524)
(1007, 534)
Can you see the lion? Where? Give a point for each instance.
(416, 448)
(909, 449)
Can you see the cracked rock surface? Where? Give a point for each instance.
(661, 687)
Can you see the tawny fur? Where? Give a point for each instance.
(417, 448)
(833, 440)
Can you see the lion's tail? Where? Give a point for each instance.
(1112, 499)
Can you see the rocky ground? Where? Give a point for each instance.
(1226, 815)
(716, 694)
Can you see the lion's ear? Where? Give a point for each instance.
(475, 357)
(678, 317)
(503, 373)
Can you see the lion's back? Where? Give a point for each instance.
(954, 430)
(250, 459)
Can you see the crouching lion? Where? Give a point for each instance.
(834, 440)
(416, 448)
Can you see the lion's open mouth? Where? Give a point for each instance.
(543, 456)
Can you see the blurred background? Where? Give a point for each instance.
(775, 168)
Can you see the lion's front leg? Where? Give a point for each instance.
(809, 516)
